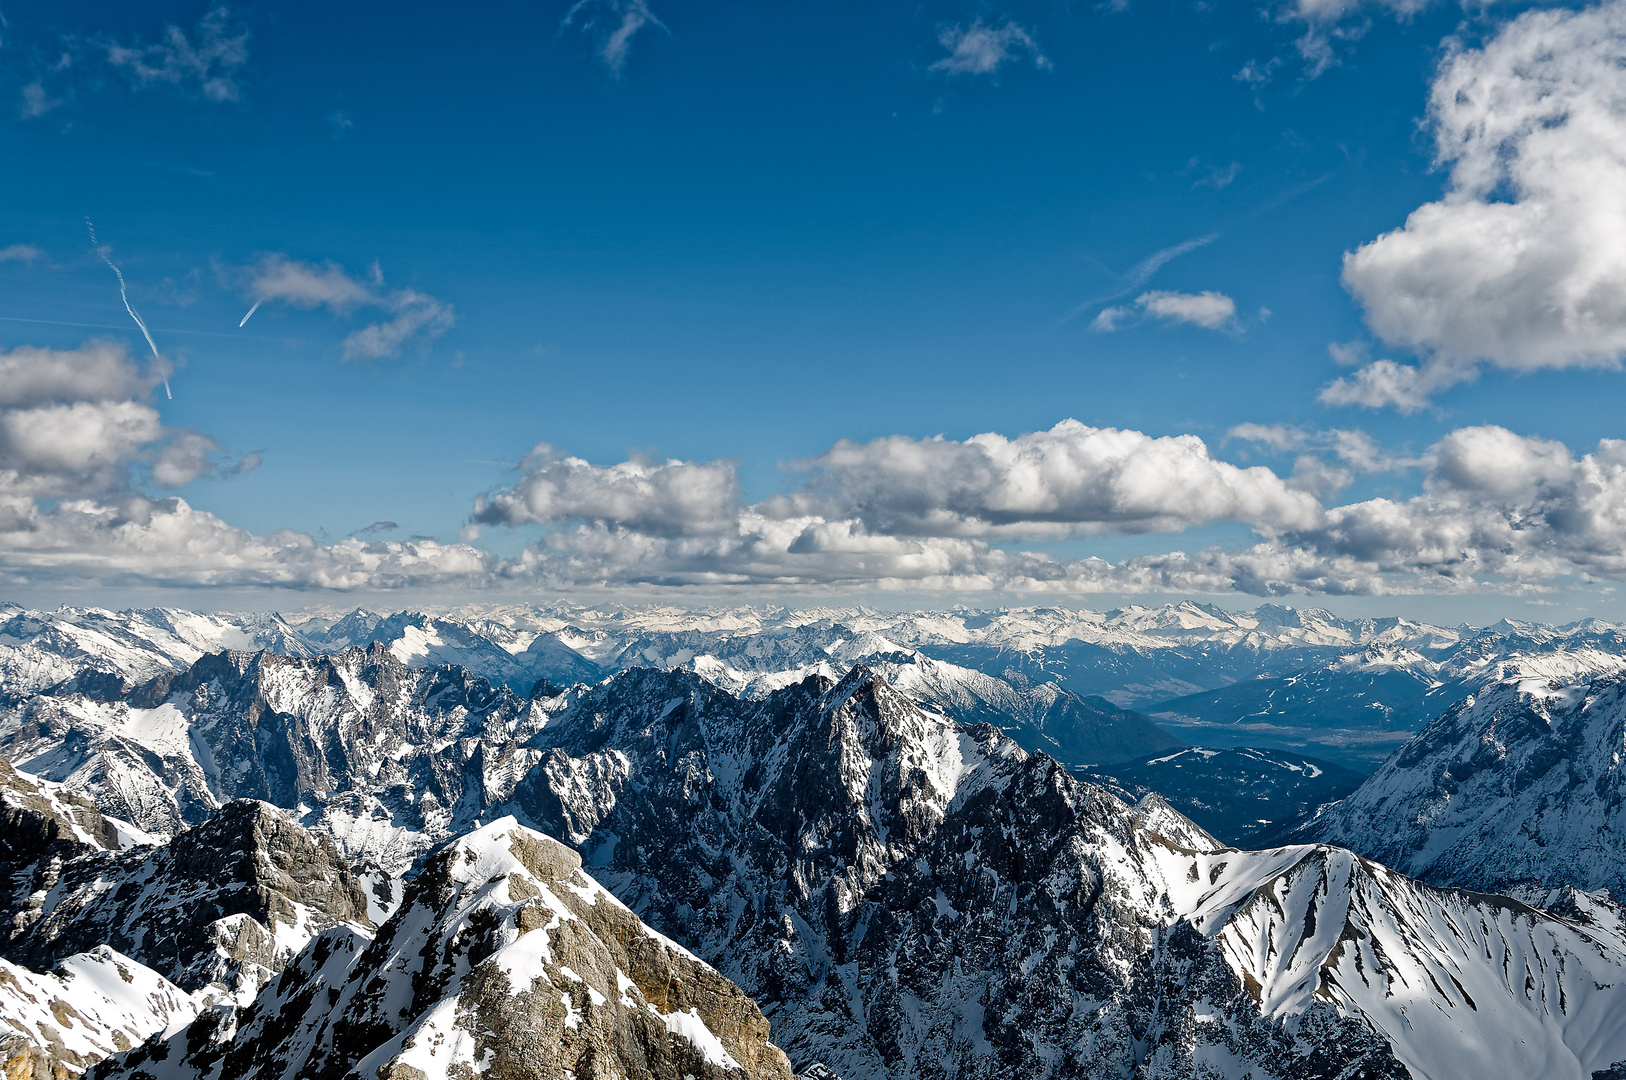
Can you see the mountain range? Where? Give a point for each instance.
(340, 856)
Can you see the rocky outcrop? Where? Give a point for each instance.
(505, 961)
(225, 904)
(39, 818)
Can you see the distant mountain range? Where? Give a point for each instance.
(1345, 690)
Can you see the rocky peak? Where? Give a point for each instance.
(505, 960)
(225, 904)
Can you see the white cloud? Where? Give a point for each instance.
(1327, 461)
(980, 49)
(23, 253)
(208, 63)
(73, 424)
(98, 371)
(308, 285)
(1209, 310)
(1384, 384)
(672, 498)
(416, 316)
(1522, 264)
(167, 542)
(75, 435)
(616, 22)
(1498, 512)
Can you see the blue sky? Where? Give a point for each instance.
(735, 235)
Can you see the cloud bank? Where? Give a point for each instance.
(79, 444)
(80, 448)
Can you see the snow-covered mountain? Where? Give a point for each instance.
(389, 758)
(41, 649)
(216, 911)
(1518, 787)
(904, 895)
(110, 937)
(909, 897)
(505, 959)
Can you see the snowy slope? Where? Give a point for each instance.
(94, 1004)
(1462, 985)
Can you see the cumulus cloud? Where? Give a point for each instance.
(981, 49)
(98, 371)
(615, 22)
(208, 63)
(78, 440)
(1209, 310)
(672, 498)
(1497, 511)
(132, 538)
(1522, 264)
(1326, 461)
(75, 423)
(414, 315)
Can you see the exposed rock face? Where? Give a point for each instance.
(1520, 787)
(39, 818)
(224, 904)
(504, 960)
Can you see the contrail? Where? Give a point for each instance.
(125, 296)
(251, 311)
(1142, 271)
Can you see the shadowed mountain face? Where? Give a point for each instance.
(1245, 797)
